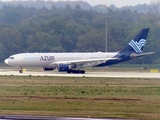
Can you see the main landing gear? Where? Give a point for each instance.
(76, 71)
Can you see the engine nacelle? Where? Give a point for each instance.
(48, 69)
(63, 67)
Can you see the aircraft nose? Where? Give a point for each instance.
(6, 61)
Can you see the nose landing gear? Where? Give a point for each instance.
(21, 70)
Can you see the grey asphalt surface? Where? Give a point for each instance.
(88, 74)
(16, 117)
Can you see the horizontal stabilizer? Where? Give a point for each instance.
(134, 55)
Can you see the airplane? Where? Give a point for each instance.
(74, 62)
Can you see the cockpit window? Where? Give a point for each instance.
(11, 58)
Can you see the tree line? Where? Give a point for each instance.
(24, 29)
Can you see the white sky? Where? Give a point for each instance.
(117, 3)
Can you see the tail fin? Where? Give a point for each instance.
(138, 42)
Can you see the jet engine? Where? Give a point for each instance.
(63, 67)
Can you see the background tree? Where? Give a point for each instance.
(73, 29)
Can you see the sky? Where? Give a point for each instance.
(117, 3)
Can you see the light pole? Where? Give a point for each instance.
(106, 20)
(106, 35)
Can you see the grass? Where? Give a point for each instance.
(81, 97)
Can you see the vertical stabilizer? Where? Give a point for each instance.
(138, 42)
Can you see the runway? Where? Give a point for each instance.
(88, 74)
(21, 117)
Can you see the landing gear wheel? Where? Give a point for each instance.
(69, 71)
(82, 72)
(20, 71)
(76, 71)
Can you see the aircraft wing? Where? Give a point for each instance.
(85, 62)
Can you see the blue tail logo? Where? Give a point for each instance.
(137, 46)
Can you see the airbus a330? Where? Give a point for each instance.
(75, 62)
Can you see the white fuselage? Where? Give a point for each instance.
(47, 59)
